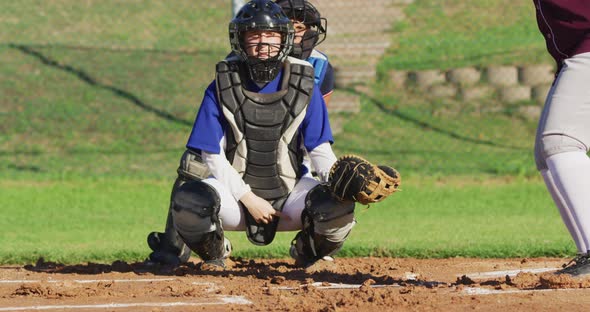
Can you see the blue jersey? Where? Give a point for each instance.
(210, 125)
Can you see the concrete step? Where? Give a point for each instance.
(358, 35)
(348, 61)
(382, 39)
(343, 101)
(359, 12)
(351, 62)
(351, 49)
(347, 80)
(336, 123)
(356, 3)
(363, 22)
(354, 14)
(357, 74)
(356, 49)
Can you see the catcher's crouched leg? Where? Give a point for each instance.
(196, 218)
(167, 247)
(327, 221)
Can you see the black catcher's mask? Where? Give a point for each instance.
(305, 13)
(261, 15)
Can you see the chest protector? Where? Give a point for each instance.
(264, 142)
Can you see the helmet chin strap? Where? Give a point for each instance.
(305, 47)
(297, 51)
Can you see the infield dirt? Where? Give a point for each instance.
(348, 284)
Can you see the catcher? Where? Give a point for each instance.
(309, 31)
(242, 170)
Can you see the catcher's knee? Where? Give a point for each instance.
(327, 222)
(322, 206)
(191, 166)
(195, 212)
(553, 144)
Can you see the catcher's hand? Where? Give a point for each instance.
(354, 178)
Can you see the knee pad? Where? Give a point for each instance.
(192, 167)
(552, 144)
(195, 212)
(322, 206)
(327, 222)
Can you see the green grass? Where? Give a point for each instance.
(135, 24)
(98, 98)
(70, 111)
(103, 220)
(456, 33)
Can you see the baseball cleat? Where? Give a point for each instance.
(217, 264)
(579, 266)
(213, 265)
(163, 251)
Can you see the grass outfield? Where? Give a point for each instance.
(107, 220)
(98, 97)
(457, 33)
(144, 25)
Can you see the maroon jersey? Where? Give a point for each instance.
(565, 24)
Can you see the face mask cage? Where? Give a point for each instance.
(305, 13)
(266, 66)
(262, 15)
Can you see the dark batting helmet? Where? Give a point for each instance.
(262, 15)
(317, 26)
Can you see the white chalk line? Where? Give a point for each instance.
(222, 300)
(484, 291)
(324, 285)
(211, 287)
(140, 280)
(493, 274)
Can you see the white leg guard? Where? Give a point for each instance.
(570, 174)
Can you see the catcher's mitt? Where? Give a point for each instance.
(354, 178)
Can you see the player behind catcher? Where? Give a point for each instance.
(310, 31)
(242, 170)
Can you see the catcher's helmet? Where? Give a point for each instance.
(317, 26)
(262, 15)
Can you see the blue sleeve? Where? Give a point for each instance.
(323, 71)
(316, 125)
(327, 80)
(208, 127)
